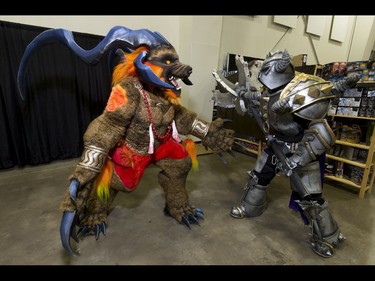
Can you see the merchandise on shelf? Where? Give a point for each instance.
(337, 70)
(359, 101)
(334, 71)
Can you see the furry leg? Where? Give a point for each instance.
(172, 179)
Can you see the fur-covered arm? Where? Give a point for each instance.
(211, 133)
(184, 119)
(104, 132)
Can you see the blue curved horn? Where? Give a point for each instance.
(118, 37)
(146, 74)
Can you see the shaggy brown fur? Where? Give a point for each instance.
(126, 121)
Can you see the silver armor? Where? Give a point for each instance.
(292, 109)
(325, 233)
(253, 201)
(316, 140)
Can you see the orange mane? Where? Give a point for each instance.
(127, 69)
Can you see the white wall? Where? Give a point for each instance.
(255, 36)
(200, 45)
(363, 38)
(204, 41)
(168, 26)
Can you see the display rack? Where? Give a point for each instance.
(253, 148)
(367, 181)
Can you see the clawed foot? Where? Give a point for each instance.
(186, 215)
(68, 225)
(198, 214)
(94, 230)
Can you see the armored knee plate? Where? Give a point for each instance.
(310, 176)
(253, 201)
(326, 235)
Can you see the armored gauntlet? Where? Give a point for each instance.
(316, 140)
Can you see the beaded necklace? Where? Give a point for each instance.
(152, 129)
(145, 98)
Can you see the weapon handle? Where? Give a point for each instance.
(295, 178)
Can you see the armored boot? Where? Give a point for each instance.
(326, 235)
(253, 201)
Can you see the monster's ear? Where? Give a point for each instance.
(115, 58)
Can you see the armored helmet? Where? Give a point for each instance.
(277, 70)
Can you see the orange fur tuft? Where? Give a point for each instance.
(190, 147)
(126, 68)
(103, 181)
(172, 97)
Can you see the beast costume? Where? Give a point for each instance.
(291, 112)
(140, 125)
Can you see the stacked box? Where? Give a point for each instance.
(367, 106)
(371, 72)
(347, 111)
(353, 93)
(354, 102)
(350, 102)
(352, 173)
(299, 60)
(334, 71)
(366, 69)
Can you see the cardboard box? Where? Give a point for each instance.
(347, 111)
(353, 93)
(353, 102)
(310, 69)
(300, 60)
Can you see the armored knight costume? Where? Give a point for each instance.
(291, 110)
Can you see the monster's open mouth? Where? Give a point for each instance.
(174, 82)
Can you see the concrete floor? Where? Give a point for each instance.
(140, 234)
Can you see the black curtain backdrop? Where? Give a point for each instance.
(63, 95)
